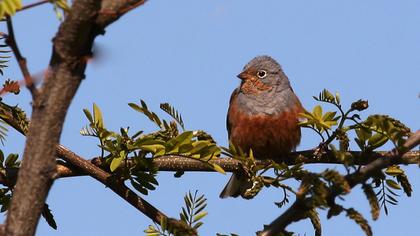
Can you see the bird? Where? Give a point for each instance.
(263, 116)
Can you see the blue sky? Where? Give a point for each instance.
(188, 53)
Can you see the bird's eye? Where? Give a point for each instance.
(261, 74)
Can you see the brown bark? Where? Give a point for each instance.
(71, 48)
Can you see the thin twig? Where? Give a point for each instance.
(11, 41)
(35, 4)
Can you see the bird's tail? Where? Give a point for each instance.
(235, 187)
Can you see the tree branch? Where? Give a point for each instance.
(297, 211)
(84, 167)
(71, 46)
(11, 41)
(35, 4)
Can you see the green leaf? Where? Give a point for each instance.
(152, 231)
(154, 148)
(394, 170)
(48, 216)
(11, 160)
(138, 187)
(316, 222)
(1, 157)
(392, 184)
(143, 109)
(179, 140)
(62, 4)
(377, 140)
(317, 112)
(173, 113)
(405, 184)
(373, 201)
(97, 116)
(218, 168)
(199, 216)
(196, 226)
(88, 115)
(329, 116)
(360, 220)
(337, 98)
(9, 7)
(363, 134)
(116, 162)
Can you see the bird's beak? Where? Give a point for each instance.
(244, 75)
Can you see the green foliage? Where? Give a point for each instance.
(18, 115)
(9, 7)
(5, 197)
(376, 130)
(387, 187)
(3, 131)
(318, 121)
(11, 161)
(190, 215)
(316, 189)
(173, 113)
(193, 212)
(316, 222)
(170, 227)
(360, 220)
(119, 148)
(4, 53)
(60, 7)
(6, 193)
(373, 201)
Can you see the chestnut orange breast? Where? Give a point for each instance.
(270, 136)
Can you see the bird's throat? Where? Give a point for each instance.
(254, 86)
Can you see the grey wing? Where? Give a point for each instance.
(228, 123)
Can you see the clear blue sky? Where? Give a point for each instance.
(188, 53)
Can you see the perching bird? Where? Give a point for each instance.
(263, 116)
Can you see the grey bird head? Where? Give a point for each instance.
(264, 87)
(267, 70)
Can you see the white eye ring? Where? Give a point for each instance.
(261, 74)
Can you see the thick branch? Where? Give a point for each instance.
(180, 163)
(297, 211)
(72, 45)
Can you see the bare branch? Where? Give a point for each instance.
(297, 211)
(11, 41)
(35, 4)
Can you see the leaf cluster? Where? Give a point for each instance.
(4, 52)
(191, 215)
(118, 148)
(9, 7)
(371, 133)
(6, 192)
(318, 190)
